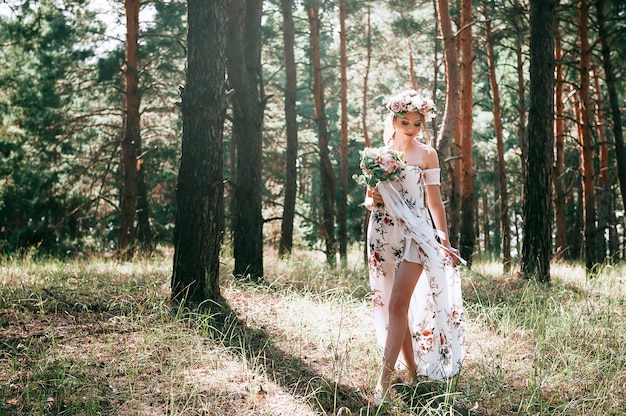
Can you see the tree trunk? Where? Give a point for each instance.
(516, 226)
(613, 100)
(454, 167)
(560, 210)
(364, 108)
(436, 63)
(477, 224)
(450, 115)
(451, 109)
(575, 229)
(143, 233)
(232, 181)
(521, 88)
(605, 207)
(131, 132)
(505, 225)
(368, 63)
(584, 127)
(486, 230)
(199, 192)
(291, 124)
(496, 246)
(468, 237)
(536, 250)
(343, 194)
(245, 78)
(328, 180)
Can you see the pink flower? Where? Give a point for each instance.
(412, 102)
(396, 106)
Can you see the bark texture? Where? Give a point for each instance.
(467, 239)
(328, 179)
(245, 78)
(451, 108)
(199, 192)
(505, 224)
(291, 126)
(587, 145)
(131, 131)
(613, 99)
(537, 205)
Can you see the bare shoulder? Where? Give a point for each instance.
(429, 156)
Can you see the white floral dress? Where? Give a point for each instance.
(436, 316)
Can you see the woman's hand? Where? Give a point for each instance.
(451, 253)
(377, 199)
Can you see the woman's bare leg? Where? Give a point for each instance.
(408, 353)
(406, 278)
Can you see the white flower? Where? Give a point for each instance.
(412, 102)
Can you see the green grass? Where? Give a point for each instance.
(99, 337)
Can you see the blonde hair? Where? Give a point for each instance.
(409, 101)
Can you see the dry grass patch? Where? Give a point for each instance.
(98, 337)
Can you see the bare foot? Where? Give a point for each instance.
(411, 374)
(381, 395)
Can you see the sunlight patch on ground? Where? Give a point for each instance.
(334, 337)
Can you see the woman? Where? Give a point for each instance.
(413, 276)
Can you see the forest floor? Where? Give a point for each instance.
(100, 337)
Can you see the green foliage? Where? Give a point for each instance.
(110, 65)
(61, 118)
(38, 156)
(61, 109)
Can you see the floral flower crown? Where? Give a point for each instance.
(412, 102)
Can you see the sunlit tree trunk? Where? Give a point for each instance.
(536, 249)
(131, 131)
(505, 225)
(613, 100)
(586, 151)
(245, 77)
(328, 179)
(199, 191)
(451, 108)
(468, 237)
(291, 125)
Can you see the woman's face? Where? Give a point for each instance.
(409, 126)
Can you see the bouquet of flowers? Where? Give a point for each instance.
(380, 164)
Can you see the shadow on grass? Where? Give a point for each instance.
(292, 373)
(32, 321)
(321, 393)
